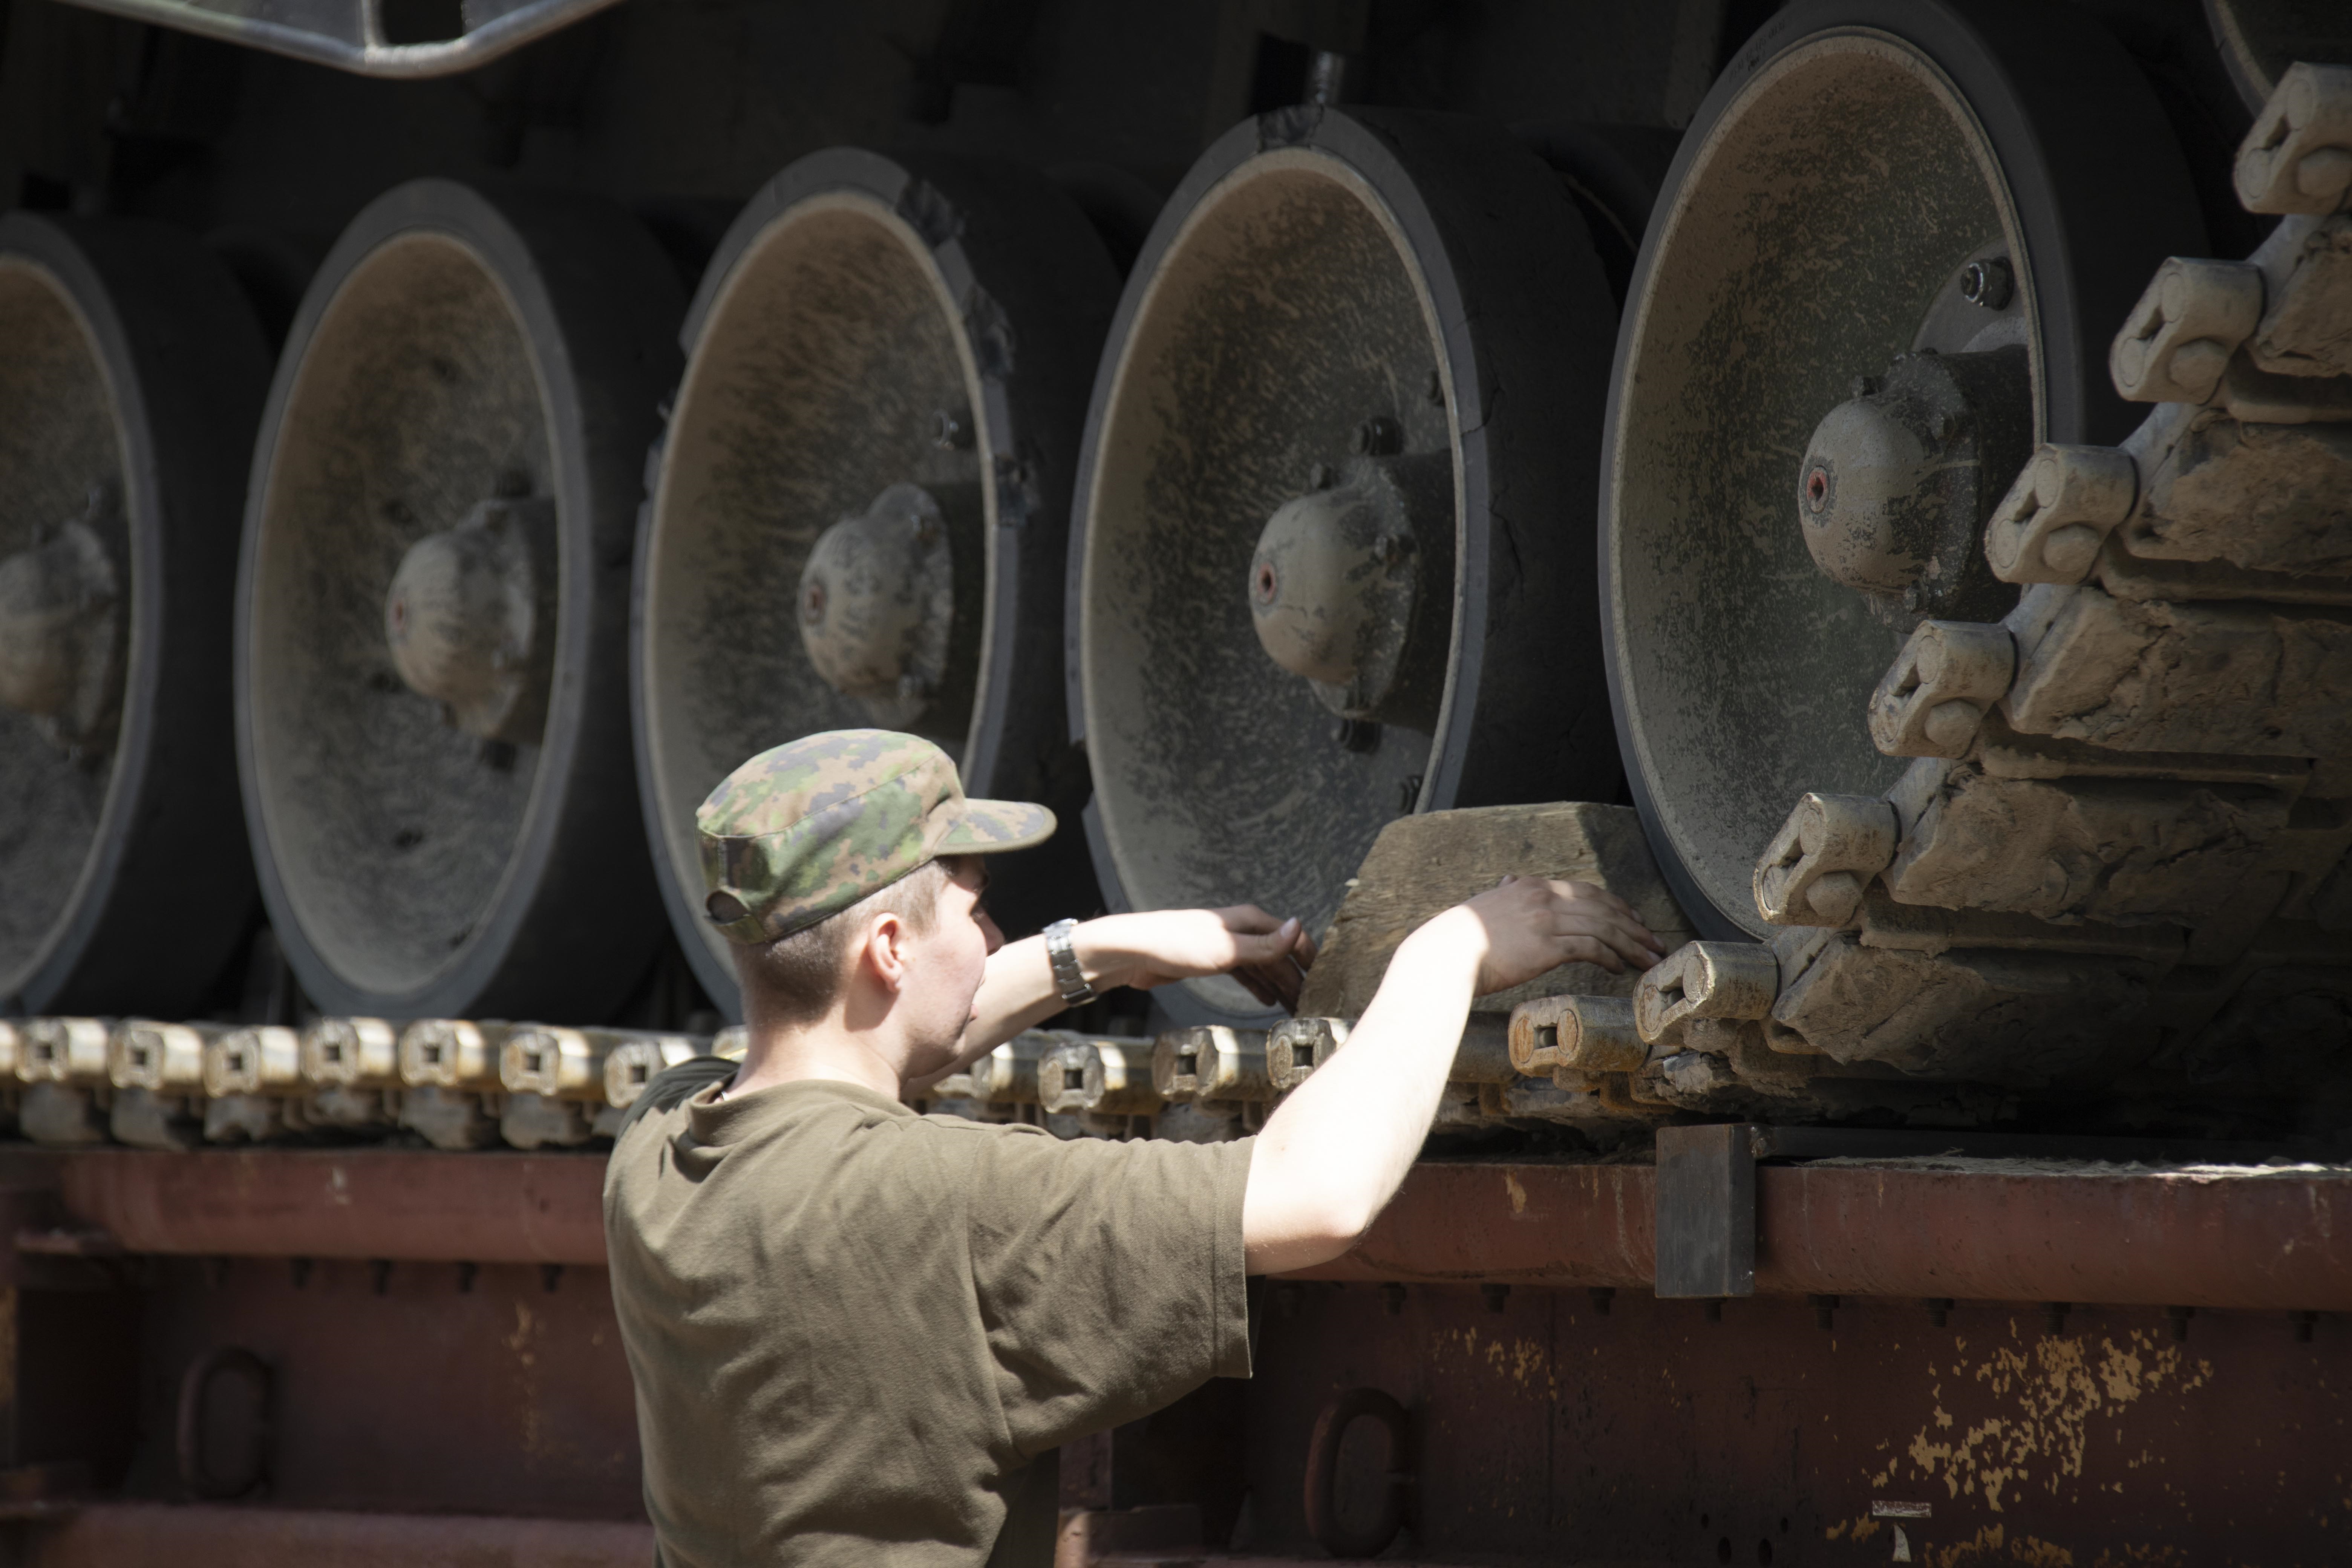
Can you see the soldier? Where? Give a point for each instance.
(852, 1327)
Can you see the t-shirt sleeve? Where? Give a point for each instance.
(1109, 1277)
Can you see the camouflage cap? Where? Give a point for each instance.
(806, 829)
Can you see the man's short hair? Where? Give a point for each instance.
(797, 977)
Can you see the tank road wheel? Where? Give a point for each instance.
(132, 373)
(432, 718)
(2118, 844)
(1870, 181)
(861, 503)
(1336, 513)
(2258, 39)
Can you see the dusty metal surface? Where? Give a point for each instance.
(2130, 805)
(1896, 482)
(1555, 1407)
(216, 1536)
(419, 385)
(468, 620)
(1421, 865)
(2259, 39)
(868, 323)
(2247, 1238)
(396, 1387)
(1347, 587)
(2237, 1236)
(357, 1204)
(1693, 538)
(1103, 1076)
(2225, 1236)
(1208, 757)
(1328, 283)
(132, 374)
(1789, 258)
(378, 1386)
(64, 458)
(1551, 1429)
(419, 856)
(1562, 1225)
(826, 348)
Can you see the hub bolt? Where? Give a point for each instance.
(1379, 437)
(1987, 283)
(952, 430)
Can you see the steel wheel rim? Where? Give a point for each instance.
(991, 279)
(1500, 319)
(184, 368)
(497, 371)
(2258, 39)
(723, 702)
(61, 433)
(1130, 697)
(1712, 783)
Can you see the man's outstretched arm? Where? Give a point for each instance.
(1268, 955)
(1335, 1150)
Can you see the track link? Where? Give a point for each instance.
(2120, 857)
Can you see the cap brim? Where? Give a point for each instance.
(996, 826)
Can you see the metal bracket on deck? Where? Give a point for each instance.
(1706, 1211)
(1706, 1215)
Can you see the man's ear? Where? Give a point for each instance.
(883, 952)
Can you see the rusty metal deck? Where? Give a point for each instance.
(2249, 1237)
(2057, 1363)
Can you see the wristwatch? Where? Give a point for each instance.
(1072, 980)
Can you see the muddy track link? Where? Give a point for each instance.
(473, 1084)
(2119, 858)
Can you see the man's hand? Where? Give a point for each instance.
(1334, 1152)
(1268, 956)
(1533, 926)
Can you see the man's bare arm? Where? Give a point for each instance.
(1335, 1150)
(1268, 955)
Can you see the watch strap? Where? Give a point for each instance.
(1069, 978)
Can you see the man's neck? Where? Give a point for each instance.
(825, 1049)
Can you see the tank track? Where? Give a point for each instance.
(450, 1083)
(468, 1084)
(2119, 859)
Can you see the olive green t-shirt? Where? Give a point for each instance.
(852, 1326)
